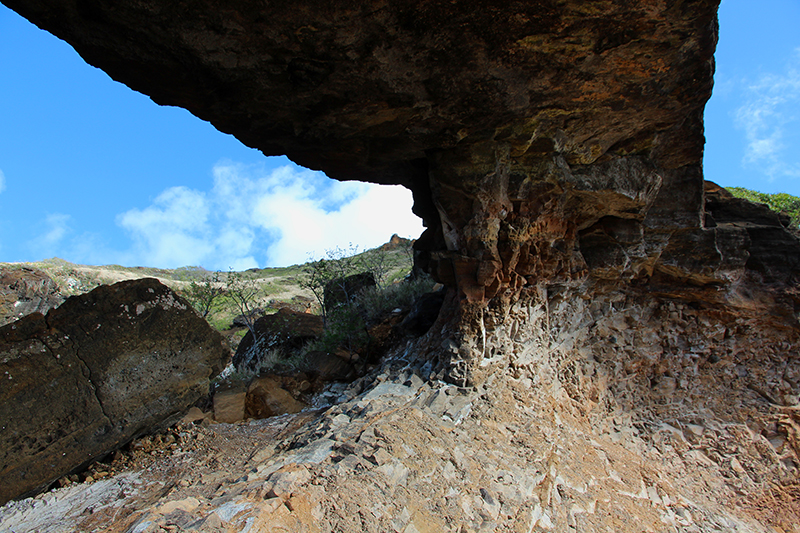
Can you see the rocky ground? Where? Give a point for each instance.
(539, 446)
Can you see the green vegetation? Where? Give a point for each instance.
(348, 327)
(348, 322)
(780, 202)
(348, 319)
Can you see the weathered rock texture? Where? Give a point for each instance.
(697, 431)
(284, 330)
(554, 151)
(94, 373)
(24, 291)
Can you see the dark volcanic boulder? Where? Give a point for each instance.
(771, 251)
(284, 329)
(24, 291)
(94, 373)
(342, 291)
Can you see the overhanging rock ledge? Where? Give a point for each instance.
(549, 144)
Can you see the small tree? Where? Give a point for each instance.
(244, 294)
(204, 293)
(334, 268)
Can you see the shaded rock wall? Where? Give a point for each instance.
(367, 91)
(545, 142)
(94, 373)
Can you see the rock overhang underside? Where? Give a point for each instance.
(368, 90)
(547, 115)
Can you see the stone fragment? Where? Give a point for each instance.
(285, 480)
(188, 504)
(266, 398)
(395, 471)
(193, 415)
(229, 405)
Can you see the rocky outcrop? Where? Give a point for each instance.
(544, 143)
(94, 373)
(284, 330)
(24, 291)
(554, 151)
(396, 242)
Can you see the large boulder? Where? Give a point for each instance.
(286, 329)
(342, 291)
(24, 291)
(94, 373)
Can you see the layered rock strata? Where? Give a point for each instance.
(94, 373)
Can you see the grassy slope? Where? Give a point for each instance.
(279, 286)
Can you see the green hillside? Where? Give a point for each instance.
(271, 288)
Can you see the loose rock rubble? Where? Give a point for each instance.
(549, 442)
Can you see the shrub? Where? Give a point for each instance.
(780, 202)
(348, 326)
(205, 293)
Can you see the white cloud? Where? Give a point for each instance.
(55, 228)
(2, 181)
(256, 218)
(771, 122)
(172, 232)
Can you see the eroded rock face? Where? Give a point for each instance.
(94, 373)
(545, 142)
(24, 291)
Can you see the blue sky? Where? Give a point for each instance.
(753, 118)
(93, 172)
